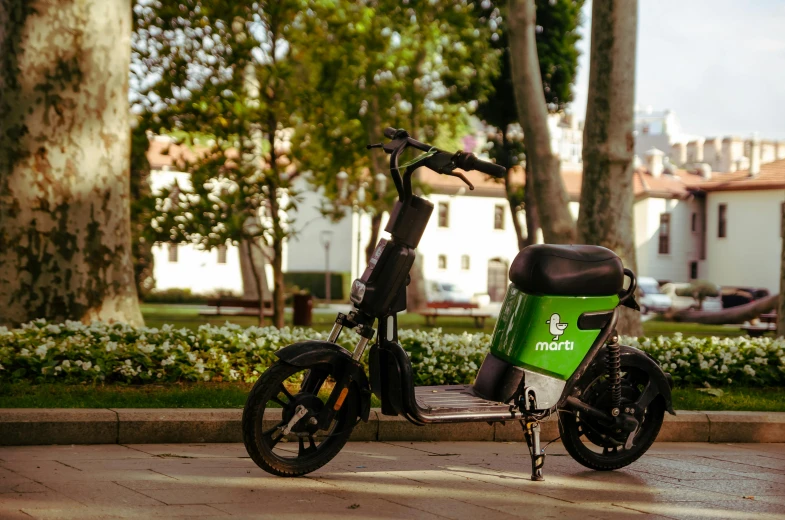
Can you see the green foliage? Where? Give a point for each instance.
(73, 353)
(414, 65)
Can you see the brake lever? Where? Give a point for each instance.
(377, 145)
(462, 177)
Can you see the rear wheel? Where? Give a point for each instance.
(295, 391)
(602, 446)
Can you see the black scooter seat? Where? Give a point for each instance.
(559, 270)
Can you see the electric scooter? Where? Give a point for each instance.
(554, 352)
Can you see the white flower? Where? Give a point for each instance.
(749, 370)
(41, 351)
(24, 352)
(66, 364)
(87, 365)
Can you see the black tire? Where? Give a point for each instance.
(262, 442)
(579, 434)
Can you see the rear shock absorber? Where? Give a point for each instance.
(613, 367)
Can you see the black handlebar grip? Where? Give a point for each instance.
(389, 132)
(471, 162)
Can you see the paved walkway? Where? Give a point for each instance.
(471, 480)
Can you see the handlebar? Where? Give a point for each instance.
(463, 160)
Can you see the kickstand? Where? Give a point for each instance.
(531, 432)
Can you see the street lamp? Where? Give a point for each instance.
(325, 237)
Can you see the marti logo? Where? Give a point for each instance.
(556, 329)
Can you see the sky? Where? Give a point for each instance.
(719, 64)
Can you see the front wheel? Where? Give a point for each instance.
(300, 394)
(602, 446)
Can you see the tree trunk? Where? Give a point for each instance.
(606, 212)
(514, 199)
(248, 252)
(541, 163)
(279, 290)
(781, 307)
(65, 233)
(738, 314)
(530, 210)
(376, 224)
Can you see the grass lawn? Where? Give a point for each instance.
(188, 316)
(232, 395)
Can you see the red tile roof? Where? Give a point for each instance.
(771, 177)
(163, 154)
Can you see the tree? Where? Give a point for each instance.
(387, 63)
(605, 216)
(542, 165)
(65, 238)
(699, 290)
(557, 52)
(230, 69)
(142, 211)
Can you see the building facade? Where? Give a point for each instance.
(470, 239)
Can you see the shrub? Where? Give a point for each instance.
(72, 352)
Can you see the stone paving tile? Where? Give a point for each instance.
(103, 494)
(70, 452)
(233, 450)
(189, 511)
(714, 510)
(391, 480)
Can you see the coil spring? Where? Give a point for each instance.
(613, 366)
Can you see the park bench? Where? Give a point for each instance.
(228, 306)
(766, 323)
(435, 310)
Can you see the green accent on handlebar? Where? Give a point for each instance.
(419, 158)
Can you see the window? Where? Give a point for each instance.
(442, 261)
(722, 223)
(665, 234)
(222, 254)
(694, 222)
(173, 253)
(693, 270)
(498, 217)
(444, 214)
(465, 263)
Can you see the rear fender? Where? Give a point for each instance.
(633, 357)
(309, 353)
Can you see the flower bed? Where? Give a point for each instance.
(75, 353)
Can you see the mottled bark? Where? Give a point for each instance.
(738, 314)
(541, 163)
(606, 212)
(781, 306)
(65, 234)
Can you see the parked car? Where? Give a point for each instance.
(680, 303)
(651, 298)
(445, 292)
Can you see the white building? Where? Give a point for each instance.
(744, 234)
(470, 240)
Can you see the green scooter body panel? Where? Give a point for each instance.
(525, 336)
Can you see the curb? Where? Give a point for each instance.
(37, 426)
